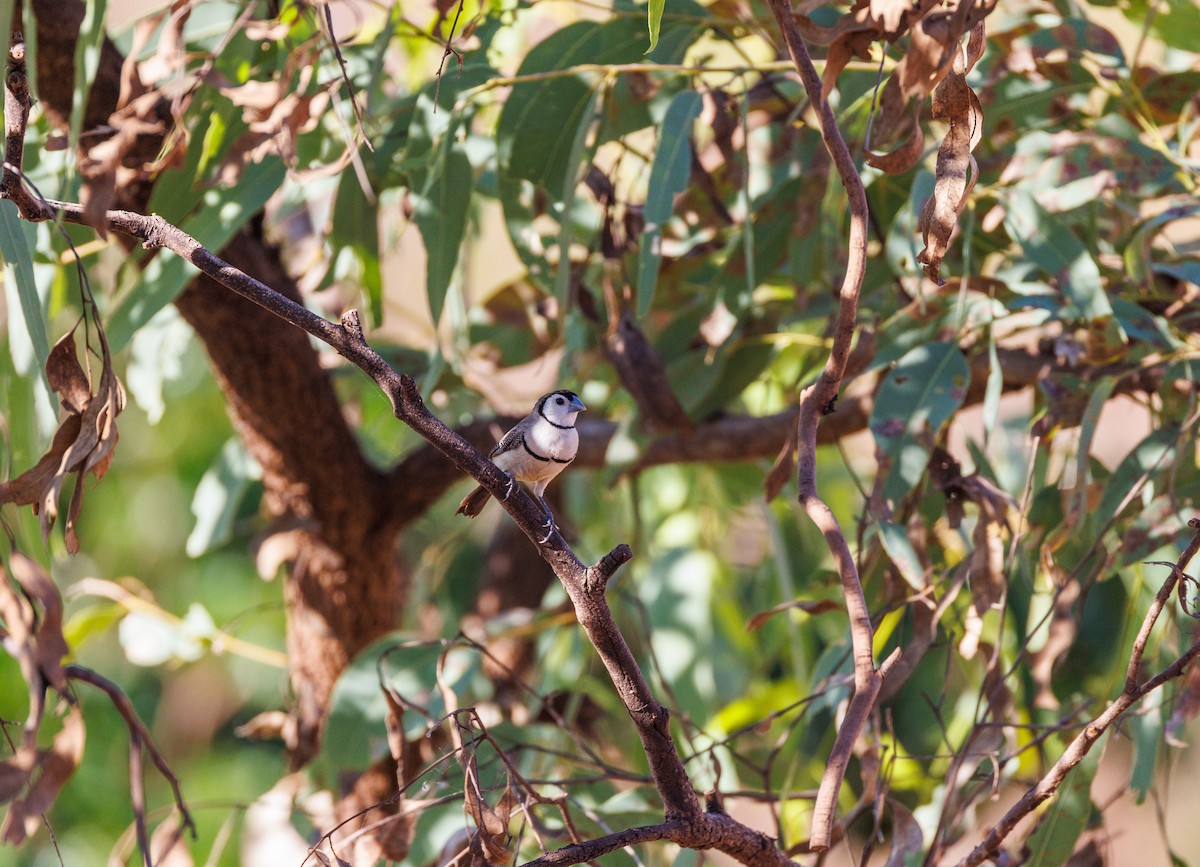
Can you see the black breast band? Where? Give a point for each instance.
(542, 458)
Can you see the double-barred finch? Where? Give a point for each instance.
(538, 448)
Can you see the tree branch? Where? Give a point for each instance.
(139, 737)
(814, 402)
(1131, 692)
(585, 586)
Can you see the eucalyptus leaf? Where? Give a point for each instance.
(16, 246)
(918, 396)
(222, 214)
(1066, 817)
(1049, 242)
(440, 212)
(219, 496)
(668, 177)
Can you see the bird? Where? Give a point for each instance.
(534, 451)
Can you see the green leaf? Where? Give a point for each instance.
(993, 390)
(1054, 839)
(1053, 247)
(1178, 24)
(668, 177)
(440, 212)
(1087, 430)
(1138, 253)
(166, 275)
(87, 60)
(219, 495)
(567, 197)
(1156, 452)
(541, 119)
(178, 191)
(900, 551)
(1146, 732)
(355, 238)
(156, 358)
(17, 251)
(918, 396)
(654, 13)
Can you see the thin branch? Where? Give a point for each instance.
(584, 585)
(1131, 692)
(139, 738)
(816, 401)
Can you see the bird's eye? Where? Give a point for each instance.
(559, 401)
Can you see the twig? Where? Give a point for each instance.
(137, 796)
(813, 403)
(687, 824)
(1082, 744)
(139, 738)
(326, 19)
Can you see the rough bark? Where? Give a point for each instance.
(345, 586)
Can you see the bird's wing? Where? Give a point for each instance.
(510, 440)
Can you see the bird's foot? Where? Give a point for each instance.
(550, 525)
(512, 485)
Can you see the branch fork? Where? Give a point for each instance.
(686, 823)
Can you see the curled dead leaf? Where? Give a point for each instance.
(490, 840)
(813, 606)
(907, 839)
(83, 443)
(1060, 633)
(49, 646)
(956, 170)
(49, 772)
(907, 155)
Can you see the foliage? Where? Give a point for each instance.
(648, 215)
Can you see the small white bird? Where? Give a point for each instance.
(538, 448)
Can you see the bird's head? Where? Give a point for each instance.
(561, 407)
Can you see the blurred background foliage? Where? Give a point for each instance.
(557, 175)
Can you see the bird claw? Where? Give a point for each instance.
(512, 484)
(551, 526)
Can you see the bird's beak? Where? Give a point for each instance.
(577, 405)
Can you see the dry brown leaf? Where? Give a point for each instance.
(66, 375)
(890, 14)
(953, 99)
(814, 607)
(14, 774)
(27, 489)
(854, 43)
(83, 443)
(269, 30)
(49, 645)
(491, 837)
(53, 768)
(907, 838)
(490, 840)
(907, 155)
(987, 572)
(1060, 632)
(117, 159)
(276, 113)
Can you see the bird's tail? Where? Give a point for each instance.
(473, 502)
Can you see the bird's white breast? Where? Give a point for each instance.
(553, 442)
